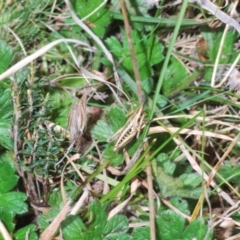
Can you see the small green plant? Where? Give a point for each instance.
(157, 112)
(12, 202)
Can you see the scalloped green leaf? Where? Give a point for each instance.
(5, 119)
(14, 201)
(197, 230)
(98, 20)
(5, 55)
(116, 118)
(101, 131)
(180, 204)
(142, 233)
(191, 179)
(73, 228)
(27, 232)
(117, 224)
(45, 218)
(115, 157)
(148, 53)
(170, 226)
(8, 179)
(7, 218)
(174, 75)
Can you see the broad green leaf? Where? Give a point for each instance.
(142, 233)
(101, 131)
(197, 230)
(117, 224)
(7, 218)
(5, 55)
(5, 103)
(148, 54)
(180, 204)
(170, 226)
(165, 162)
(14, 202)
(173, 77)
(98, 217)
(147, 85)
(97, 221)
(73, 228)
(171, 186)
(60, 102)
(46, 218)
(116, 118)
(115, 157)
(191, 179)
(27, 232)
(120, 236)
(228, 55)
(5, 119)
(55, 200)
(229, 173)
(8, 179)
(99, 20)
(161, 101)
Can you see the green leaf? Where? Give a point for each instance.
(142, 233)
(5, 55)
(116, 118)
(230, 173)
(115, 226)
(115, 157)
(161, 101)
(55, 200)
(8, 179)
(27, 232)
(173, 77)
(5, 119)
(228, 55)
(73, 228)
(7, 218)
(170, 226)
(101, 131)
(191, 179)
(180, 204)
(98, 220)
(60, 102)
(171, 186)
(197, 230)
(147, 84)
(44, 219)
(14, 202)
(164, 161)
(146, 56)
(98, 21)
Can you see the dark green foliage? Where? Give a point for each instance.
(98, 21)
(172, 226)
(12, 203)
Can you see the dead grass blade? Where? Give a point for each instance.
(39, 53)
(52, 228)
(222, 16)
(98, 41)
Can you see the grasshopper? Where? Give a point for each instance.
(132, 128)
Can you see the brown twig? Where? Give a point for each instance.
(141, 101)
(133, 56)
